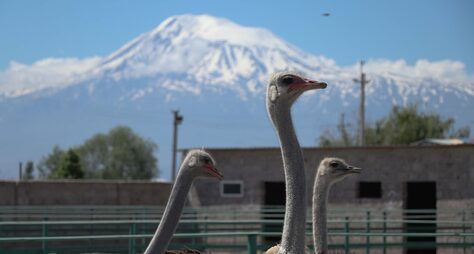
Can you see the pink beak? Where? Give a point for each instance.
(307, 84)
(214, 172)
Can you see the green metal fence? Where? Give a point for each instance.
(128, 229)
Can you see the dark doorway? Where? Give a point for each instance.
(274, 200)
(370, 190)
(420, 204)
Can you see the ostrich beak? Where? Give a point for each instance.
(307, 84)
(213, 171)
(355, 170)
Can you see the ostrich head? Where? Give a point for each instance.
(333, 170)
(200, 163)
(285, 87)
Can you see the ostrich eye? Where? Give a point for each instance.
(287, 80)
(207, 160)
(334, 164)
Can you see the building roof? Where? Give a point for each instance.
(249, 149)
(445, 141)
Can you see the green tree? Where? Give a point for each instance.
(407, 125)
(119, 154)
(29, 168)
(345, 137)
(69, 167)
(95, 155)
(49, 164)
(403, 125)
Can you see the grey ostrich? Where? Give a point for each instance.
(282, 91)
(197, 163)
(330, 170)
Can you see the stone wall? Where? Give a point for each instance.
(84, 193)
(451, 167)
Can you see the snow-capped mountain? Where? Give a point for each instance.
(214, 71)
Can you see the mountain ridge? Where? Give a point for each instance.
(215, 52)
(215, 71)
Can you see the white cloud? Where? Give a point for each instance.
(19, 79)
(446, 71)
(56, 73)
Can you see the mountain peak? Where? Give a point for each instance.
(218, 30)
(206, 52)
(189, 53)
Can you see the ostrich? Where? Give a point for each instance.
(197, 163)
(330, 170)
(282, 91)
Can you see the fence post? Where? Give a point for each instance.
(234, 240)
(131, 241)
(44, 233)
(1, 233)
(464, 231)
(346, 239)
(252, 244)
(205, 229)
(367, 230)
(384, 232)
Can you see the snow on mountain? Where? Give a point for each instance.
(191, 53)
(210, 68)
(207, 51)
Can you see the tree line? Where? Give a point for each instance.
(118, 154)
(402, 126)
(122, 154)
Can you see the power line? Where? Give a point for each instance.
(362, 82)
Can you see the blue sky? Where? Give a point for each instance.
(365, 29)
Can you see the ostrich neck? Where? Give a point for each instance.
(293, 237)
(320, 197)
(171, 215)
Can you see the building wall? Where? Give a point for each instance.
(451, 167)
(84, 193)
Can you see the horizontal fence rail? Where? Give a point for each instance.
(225, 230)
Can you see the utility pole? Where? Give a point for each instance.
(20, 171)
(177, 120)
(362, 82)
